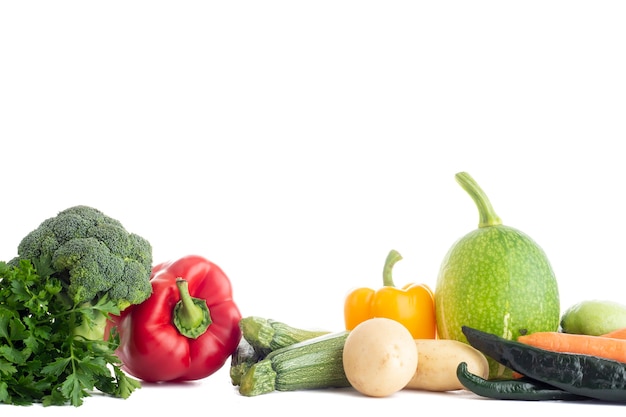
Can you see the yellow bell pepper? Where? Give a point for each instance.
(412, 305)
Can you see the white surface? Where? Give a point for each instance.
(295, 144)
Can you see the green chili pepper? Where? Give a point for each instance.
(523, 389)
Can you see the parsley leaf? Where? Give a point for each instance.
(42, 360)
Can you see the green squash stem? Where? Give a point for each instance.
(488, 216)
(191, 315)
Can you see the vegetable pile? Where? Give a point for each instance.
(377, 358)
(83, 309)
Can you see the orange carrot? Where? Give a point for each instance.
(617, 334)
(599, 346)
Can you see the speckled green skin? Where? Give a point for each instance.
(498, 280)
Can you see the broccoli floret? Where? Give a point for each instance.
(93, 255)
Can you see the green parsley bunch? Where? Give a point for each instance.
(42, 360)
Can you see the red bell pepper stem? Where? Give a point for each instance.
(191, 315)
(393, 257)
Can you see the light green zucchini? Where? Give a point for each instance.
(311, 364)
(267, 335)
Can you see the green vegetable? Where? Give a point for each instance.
(242, 359)
(94, 257)
(594, 317)
(496, 279)
(521, 389)
(41, 358)
(311, 364)
(584, 375)
(261, 336)
(267, 335)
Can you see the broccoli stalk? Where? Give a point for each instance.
(97, 261)
(92, 324)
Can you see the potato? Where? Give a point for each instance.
(438, 360)
(379, 357)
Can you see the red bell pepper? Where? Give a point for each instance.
(188, 327)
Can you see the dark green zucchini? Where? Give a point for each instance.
(522, 389)
(583, 375)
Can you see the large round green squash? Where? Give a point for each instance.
(495, 279)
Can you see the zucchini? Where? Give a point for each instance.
(260, 337)
(311, 364)
(584, 375)
(267, 335)
(242, 359)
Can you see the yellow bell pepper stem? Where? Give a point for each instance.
(412, 305)
(393, 257)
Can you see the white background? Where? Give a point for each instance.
(296, 143)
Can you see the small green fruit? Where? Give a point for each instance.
(594, 317)
(495, 279)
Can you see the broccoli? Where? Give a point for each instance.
(94, 257)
